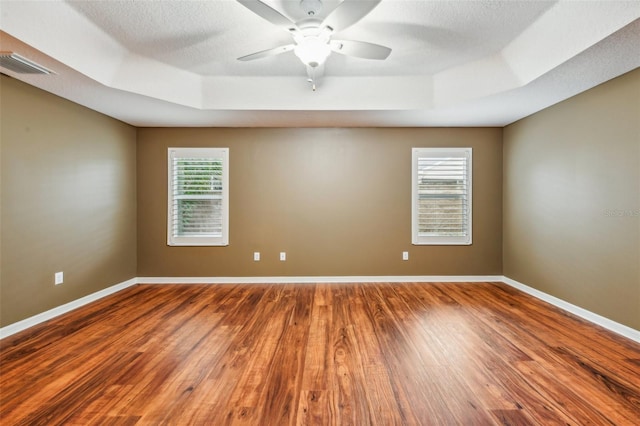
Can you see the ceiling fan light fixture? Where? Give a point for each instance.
(313, 50)
(312, 35)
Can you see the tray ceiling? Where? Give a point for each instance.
(453, 63)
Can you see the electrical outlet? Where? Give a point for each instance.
(59, 278)
(405, 255)
(283, 256)
(256, 256)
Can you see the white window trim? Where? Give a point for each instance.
(416, 238)
(218, 153)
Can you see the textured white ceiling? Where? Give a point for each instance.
(206, 37)
(454, 63)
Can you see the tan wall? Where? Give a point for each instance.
(338, 201)
(572, 200)
(68, 201)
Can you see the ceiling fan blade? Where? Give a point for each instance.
(360, 49)
(348, 13)
(269, 52)
(270, 14)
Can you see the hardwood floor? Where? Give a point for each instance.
(356, 354)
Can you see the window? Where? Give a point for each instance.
(441, 196)
(198, 213)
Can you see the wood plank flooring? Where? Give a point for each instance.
(319, 354)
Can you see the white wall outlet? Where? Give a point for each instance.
(405, 255)
(58, 278)
(256, 256)
(283, 256)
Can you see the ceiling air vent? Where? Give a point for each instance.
(16, 63)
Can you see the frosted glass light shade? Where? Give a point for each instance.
(312, 51)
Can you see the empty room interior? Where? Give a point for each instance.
(320, 212)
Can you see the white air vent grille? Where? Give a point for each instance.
(16, 63)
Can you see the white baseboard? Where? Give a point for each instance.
(576, 310)
(321, 279)
(52, 313)
(616, 327)
(62, 309)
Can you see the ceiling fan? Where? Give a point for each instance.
(312, 37)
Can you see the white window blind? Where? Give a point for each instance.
(198, 210)
(441, 196)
